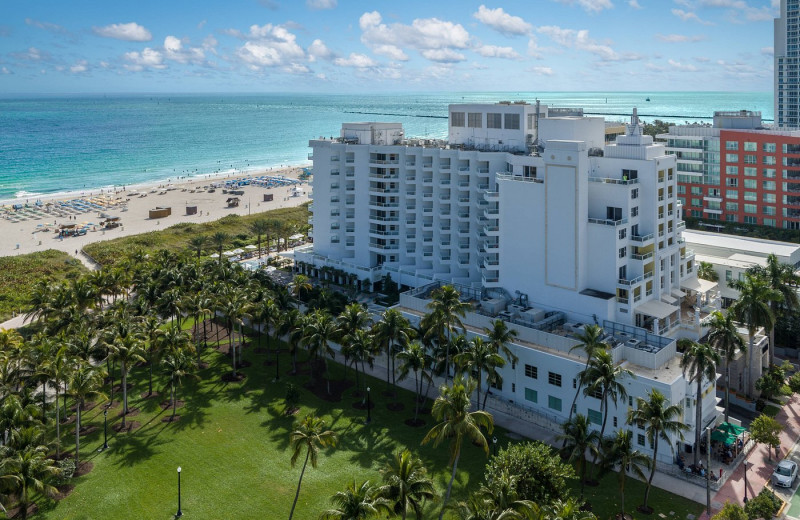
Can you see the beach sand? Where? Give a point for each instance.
(24, 237)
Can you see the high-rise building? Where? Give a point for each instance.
(787, 65)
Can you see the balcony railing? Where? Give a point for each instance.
(608, 180)
(608, 222)
(642, 238)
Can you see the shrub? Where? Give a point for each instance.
(292, 397)
(765, 505)
(66, 469)
(794, 383)
(731, 511)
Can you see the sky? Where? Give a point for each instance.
(349, 46)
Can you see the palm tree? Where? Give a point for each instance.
(578, 437)
(177, 365)
(33, 473)
(357, 502)
(291, 325)
(392, 329)
(591, 342)
(619, 451)
(415, 359)
(197, 243)
(499, 336)
(83, 385)
(451, 408)
(319, 332)
(353, 318)
(478, 358)
(781, 278)
(299, 285)
(219, 239)
(309, 434)
(59, 368)
(603, 380)
(127, 348)
(705, 270)
(499, 500)
(447, 309)
(235, 307)
(754, 311)
(700, 362)
(662, 422)
(406, 484)
(724, 337)
(259, 228)
(359, 348)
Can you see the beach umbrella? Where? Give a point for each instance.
(251, 246)
(238, 251)
(296, 237)
(228, 253)
(215, 255)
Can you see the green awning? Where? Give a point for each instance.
(724, 437)
(731, 429)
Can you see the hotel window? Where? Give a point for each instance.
(554, 403)
(750, 146)
(554, 379)
(511, 121)
(532, 371)
(768, 147)
(750, 184)
(732, 145)
(751, 220)
(623, 252)
(769, 197)
(732, 194)
(474, 119)
(750, 195)
(597, 392)
(615, 422)
(494, 120)
(731, 157)
(635, 211)
(769, 159)
(769, 210)
(681, 188)
(732, 170)
(457, 119)
(769, 173)
(749, 171)
(531, 395)
(696, 203)
(697, 190)
(768, 185)
(728, 276)
(750, 208)
(640, 439)
(769, 222)
(635, 193)
(594, 416)
(623, 233)
(732, 182)
(750, 159)
(731, 206)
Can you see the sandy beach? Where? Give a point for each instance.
(133, 204)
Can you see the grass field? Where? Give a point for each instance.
(232, 445)
(18, 275)
(176, 238)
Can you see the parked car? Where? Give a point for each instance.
(785, 473)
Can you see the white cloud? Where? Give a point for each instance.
(590, 6)
(533, 48)
(679, 38)
(4, 70)
(502, 22)
(80, 67)
(359, 61)
(33, 54)
(542, 71)
(443, 55)
(689, 16)
(768, 51)
(634, 4)
(318, 50)
(676, 65)
(580, 40)
(321, 4)
(321, 77)
(45, 26)
(175, 51)
(210, 44)
(202, 24)
(493, 51)
(147, 59)
(130, 32)
(271, 46)
(436, 40)
(390, 51)
(738, 8)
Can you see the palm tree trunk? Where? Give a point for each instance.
(622, 489)
(77, 431)
(449, 485)
(58, 426)
(327, 376)
(388, 361)
(418, 388)
(727, 388)
(241, 343)
(150, 383)
(478, 403)
(653, 469)
(297, 493)
(174, 401)
(750, 386)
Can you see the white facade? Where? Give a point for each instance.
(787, 65)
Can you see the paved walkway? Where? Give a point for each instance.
(760, 466)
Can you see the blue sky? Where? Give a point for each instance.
(346, 46)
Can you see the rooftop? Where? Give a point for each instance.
(758, 246)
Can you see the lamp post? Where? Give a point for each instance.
(369, 405)
(277, 363)
(494, 445)
(105, 429)
(179, 513)
(745, 480)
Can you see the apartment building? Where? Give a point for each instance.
(737, 170)
(787, 65)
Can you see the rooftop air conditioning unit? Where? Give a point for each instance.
(633, 343)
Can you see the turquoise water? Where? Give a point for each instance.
(50, 145)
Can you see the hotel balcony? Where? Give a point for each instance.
(491, 196)
(492, 231)
(490, 280)
(463, 201)
(609, 180)
(382, 247)
(608, 222)
(491, 262)
(463, 216)
(644, 240)
(492, 213)
(642, 258)
(463, 261)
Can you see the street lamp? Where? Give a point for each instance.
(745, 480)
(494, 444)
(179, 513)
(105, 429)
(369, 405)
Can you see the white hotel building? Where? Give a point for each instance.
(537, 222)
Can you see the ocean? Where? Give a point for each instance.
(52, 145)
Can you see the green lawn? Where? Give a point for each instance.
(232, 443)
